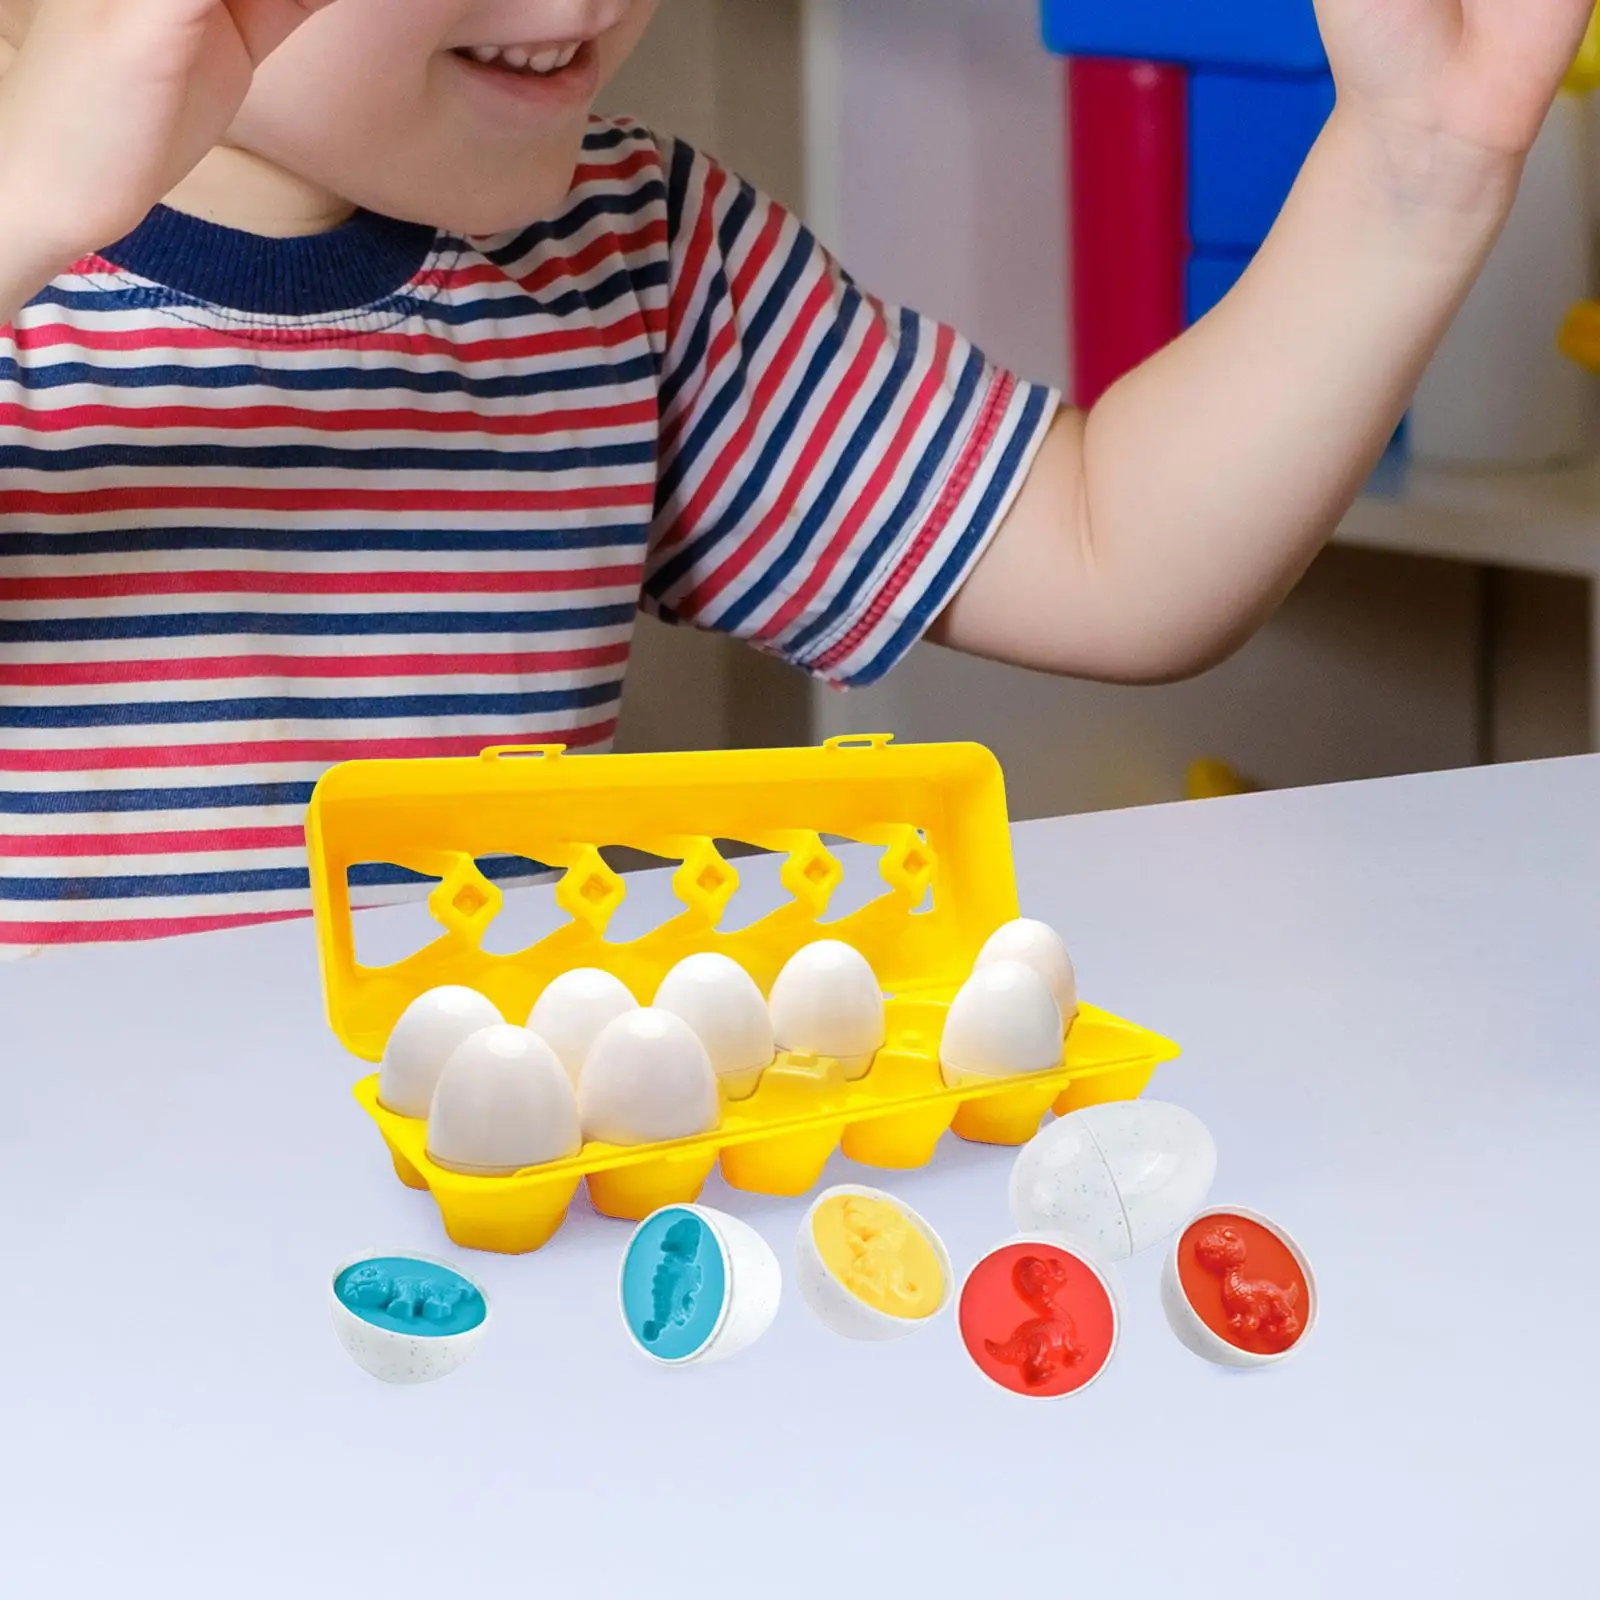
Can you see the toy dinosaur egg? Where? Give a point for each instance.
(1039, 946)
(869, 1267)
(721, 1002)
(407, 1319)
(425, 1037)
(648, 1080)
(697, 1286)
(1040, 1317)
(575, 1009)
(1238, 1291)
(828, 1002)
(1002, 1023)
(504, 1102)
(1117, 1178)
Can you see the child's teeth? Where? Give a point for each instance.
(521, 59)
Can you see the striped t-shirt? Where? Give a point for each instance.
(267, 505)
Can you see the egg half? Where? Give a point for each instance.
(1237, 1290)
(503, 1103)
(430, 1347)
(869, 1267)
(720, 1001)
(697, 1286)
(1004, 1022)
(425, 1037)
(1039, 946)
(575, 1009)
(827, 1002)
(1117, 1178)
(648, 1080)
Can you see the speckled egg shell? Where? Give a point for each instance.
(402, 1358)
(1119, 1178)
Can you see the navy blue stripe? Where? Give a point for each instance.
(319, 541)
(711, 414)
(292, 708)
(192, 625)
(628, 203)
(176, 457)
(937, 595)
(332, 380)
(862, 445)
(758, 478)
(718, 297)
(622, 283)
(866, 567)
(679, 176)
(265, 880)
(88, 802)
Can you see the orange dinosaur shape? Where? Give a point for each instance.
(1047, 1344)
(1255, 1308)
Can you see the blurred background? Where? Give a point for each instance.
(927, 143)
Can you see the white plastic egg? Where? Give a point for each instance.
(721, 1002)
(575, 1009)
(648, 1080)
(1002, 1023)
(425, 1037)
(428, 1034)
(828, 1002)
(1116, 1178)
(504, 1102)
(1039, 946)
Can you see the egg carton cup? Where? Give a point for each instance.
(780, 1140)
(936, 814)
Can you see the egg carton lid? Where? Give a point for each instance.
(937, 811)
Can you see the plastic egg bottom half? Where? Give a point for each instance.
(888, 1256)
(1237, 1290)
(403, 1358)
(697, 1286)
(1040, 1317)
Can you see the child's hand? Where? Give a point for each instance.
(1478, 74)
(109, 104)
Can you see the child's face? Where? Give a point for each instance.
(380, 103)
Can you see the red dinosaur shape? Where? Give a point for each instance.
(1047, 1344)
(1255, 1308)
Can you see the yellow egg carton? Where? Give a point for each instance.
(937, 813)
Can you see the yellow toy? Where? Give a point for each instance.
(937, 812)
(1580, 334)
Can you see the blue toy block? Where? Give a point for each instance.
(1211, 277)
(1249, 135)
(1270, 35)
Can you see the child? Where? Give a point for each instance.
(371, 439)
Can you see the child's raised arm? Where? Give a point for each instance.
(107, 107)
(1156, 533)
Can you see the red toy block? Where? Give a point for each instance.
(1129, 128)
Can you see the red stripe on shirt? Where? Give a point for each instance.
(960, 480)
(845, 394)
(850, 526)
(127, 585)
(285, 752)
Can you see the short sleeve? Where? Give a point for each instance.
(830, 468)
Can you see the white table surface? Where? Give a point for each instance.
(1388, 998)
